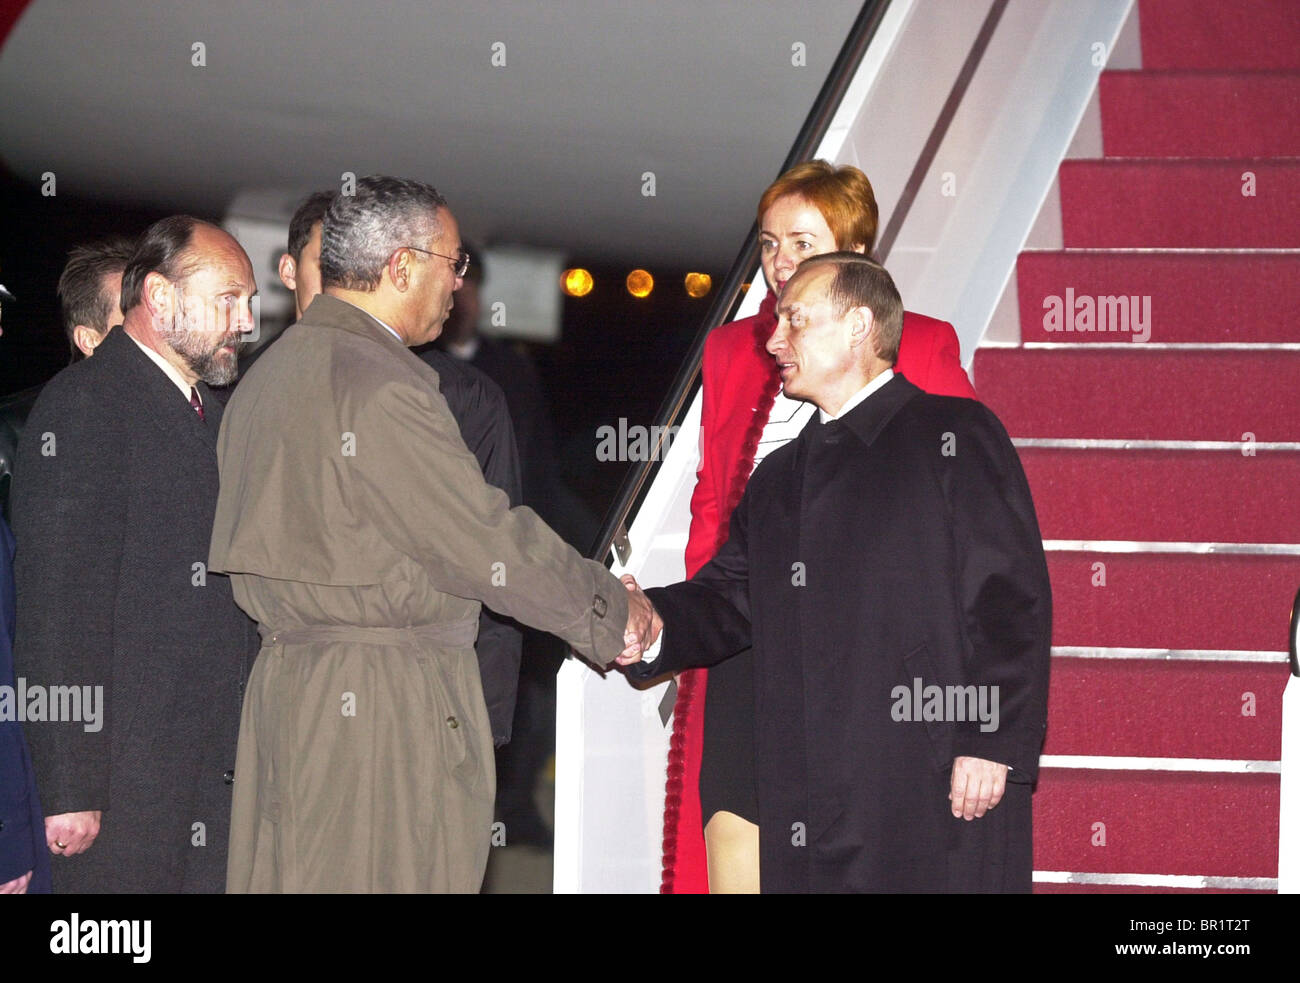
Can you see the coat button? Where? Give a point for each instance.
(453, 723)
(2, 825)
(228, 777)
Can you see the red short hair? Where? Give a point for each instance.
(842, 194)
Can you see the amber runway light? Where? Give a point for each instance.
(577, 282)
(640, 283)
(698, 284)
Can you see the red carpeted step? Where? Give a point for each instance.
(1199, 114)
(1211, 34)
(1211, 824)
(1172, 600)
(1142, 393)
(1164, 496)
(1165, 204)
(1166, 709)
(1256, 295)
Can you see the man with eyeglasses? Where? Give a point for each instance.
(359, 532)
(482, 414)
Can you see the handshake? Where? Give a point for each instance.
(643, 623)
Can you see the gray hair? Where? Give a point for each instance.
(361, 231)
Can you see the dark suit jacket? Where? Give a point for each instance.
(529, 411)
(481, 412)
(113, 498)
(894, 545)
(22, 828)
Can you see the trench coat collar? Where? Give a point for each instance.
(330, 312)
(164, 401)
(869, 417)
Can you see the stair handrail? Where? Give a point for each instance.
(1293, 655)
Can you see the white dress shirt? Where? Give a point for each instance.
(877, 383)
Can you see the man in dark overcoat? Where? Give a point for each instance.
(113, 499)
(887, 568)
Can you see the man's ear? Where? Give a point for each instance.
(86, 339)
(399, 268)
(159, 295)
(862, 323)
(288, 272)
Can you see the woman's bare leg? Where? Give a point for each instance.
(732, 845)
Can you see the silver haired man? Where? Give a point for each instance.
(359, 532)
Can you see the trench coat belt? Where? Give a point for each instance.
(456, 634)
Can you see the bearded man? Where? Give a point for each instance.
(130, 654)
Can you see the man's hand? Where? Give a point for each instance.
(71, 832)
(977, 786)
(643, 623)
(18, 885)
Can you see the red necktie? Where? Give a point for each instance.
(197, 403)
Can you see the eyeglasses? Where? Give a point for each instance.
(461, 259)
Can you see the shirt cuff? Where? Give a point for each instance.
(652, 653)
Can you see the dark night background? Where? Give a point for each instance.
(616, 357)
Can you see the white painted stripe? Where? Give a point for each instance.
(1193, 881)
(1123, 444)
(1136, 546)
(1107, 162)
(1204, 250)
(1167, 655)
(1105, 762)
(1159, 346)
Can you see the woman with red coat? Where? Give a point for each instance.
(710, 812)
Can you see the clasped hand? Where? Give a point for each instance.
(643, 623)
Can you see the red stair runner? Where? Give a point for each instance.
(1145, 394)
(1213, 34)
(1180, 203)
(1166, 709)
(1171, 600)
(1167, 496)
(1199, 114)
(1186, 233)
(1255, 296)
(1156, 822)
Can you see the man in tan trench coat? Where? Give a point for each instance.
(359, 532)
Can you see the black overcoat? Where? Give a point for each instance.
(877, 555)
(113, 498)
(481, 412)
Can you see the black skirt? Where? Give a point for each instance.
(727, 774)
